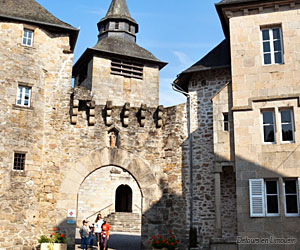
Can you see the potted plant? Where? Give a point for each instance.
(164, 243)
(57, 241)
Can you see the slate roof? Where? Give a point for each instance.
(118, 47)
(225, 2)
(32, 12)
(219, 57)
(118, 9)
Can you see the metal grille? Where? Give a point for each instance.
(127, 69)
(19, 161)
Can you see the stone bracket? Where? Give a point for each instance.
(91, 118)
(75, 107)
(108, 113)
(159, 116)
(142, 115)
(125, 114)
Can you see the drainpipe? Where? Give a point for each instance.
(180, 90)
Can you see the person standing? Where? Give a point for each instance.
(104, 236)
(98, 229)
(84, 234)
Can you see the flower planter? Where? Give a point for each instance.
(53, 246)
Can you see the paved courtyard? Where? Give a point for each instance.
(121, 241)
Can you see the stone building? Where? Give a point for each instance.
(245, 124)
(106, 145)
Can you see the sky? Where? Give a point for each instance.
(179, 32)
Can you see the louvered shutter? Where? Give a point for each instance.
(257, 204)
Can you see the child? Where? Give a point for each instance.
(91, 236)
(84, 234)
(104, 235)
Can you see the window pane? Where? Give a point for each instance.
(278, 57)
(267, 58)
(287, 132)
(272, 204)
(291, 204)
(268, 117)
(265, 34)
(277, 45)
(269, 133)
(276, 33)
(267, 47)
(29, 34)
(286, 116)
(290, 187)
(271, 187)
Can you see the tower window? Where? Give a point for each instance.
(127, 69)
(27, 37)
(19, 161)
(23, 96)
(116, 25)
(225, 122)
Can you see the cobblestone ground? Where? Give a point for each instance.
(121, 241)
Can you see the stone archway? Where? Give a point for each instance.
(78, 171)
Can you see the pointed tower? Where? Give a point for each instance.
(117, 69)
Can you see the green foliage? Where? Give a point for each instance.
(44, 239)
(54, 238)
(193, 237)
(160, 242)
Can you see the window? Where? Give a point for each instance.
(27, 37)
(19, 161)
(272, 46)
(127, 69)
(272, 198)
(291, 198)
(23, 96)
(287, 126)
(268, 126)
(116, 25)
(264, 198)
(225, 122)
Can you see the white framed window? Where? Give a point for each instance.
(225, 122)
(287, 125)
(23, 96)
(27, 39)
(264, 198)
(272, 198)
(268, 126)
(272, 47)
(291, 197)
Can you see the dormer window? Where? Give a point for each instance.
(27, 37)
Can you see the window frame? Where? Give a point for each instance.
(292, 123)
(262, 125)
(271, 41)
(266, 198)
(225, 122)
(27, 38)
(22, 104)
(297, 194)
(14, 168)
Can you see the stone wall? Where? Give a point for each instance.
(203, 87)
(22, 130)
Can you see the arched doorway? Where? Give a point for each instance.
(123, 199)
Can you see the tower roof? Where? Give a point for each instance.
(118, 10)
(30, 11)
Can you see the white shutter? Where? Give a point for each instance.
(257, 204)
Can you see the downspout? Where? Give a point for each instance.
(177, 88)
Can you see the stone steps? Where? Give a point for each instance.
(124, 222)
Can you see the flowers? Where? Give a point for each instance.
(56, 237)
(160, 242)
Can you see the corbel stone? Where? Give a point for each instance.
(108, 113)
(75, 107)
(91, 106)
(143, 115)
(126, 114)
(160, 111)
